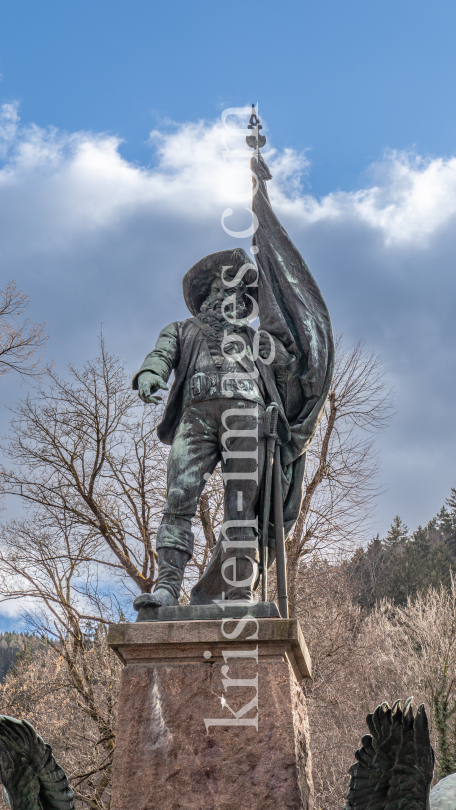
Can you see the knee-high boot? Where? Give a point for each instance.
(171, 567)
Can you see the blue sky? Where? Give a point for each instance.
(100, 219)
(345, 79)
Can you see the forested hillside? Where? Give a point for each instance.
(403, 564)
(15, 648)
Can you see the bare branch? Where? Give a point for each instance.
(19, 339)
(341, 476)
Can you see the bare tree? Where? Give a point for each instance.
(90, 472)
(341, 477)
(86, 459)
(41, 688)
(55, 569)
(19, 339)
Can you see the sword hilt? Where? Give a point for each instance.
(271, 416)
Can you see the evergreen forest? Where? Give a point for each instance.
(405, 563)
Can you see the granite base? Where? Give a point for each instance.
(211, 716)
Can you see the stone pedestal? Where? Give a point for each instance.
(209, 722)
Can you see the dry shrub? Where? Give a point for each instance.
(355, 667)
(419, 650)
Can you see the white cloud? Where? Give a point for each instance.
(412, 199)
(79, 182)
(94, 238)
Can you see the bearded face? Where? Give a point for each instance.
(211, 311)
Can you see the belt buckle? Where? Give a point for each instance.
(196, 385)
(199, 384)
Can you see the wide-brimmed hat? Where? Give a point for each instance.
(198, 280)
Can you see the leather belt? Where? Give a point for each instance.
(212, 385)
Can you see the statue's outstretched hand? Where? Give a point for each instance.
(148, 384)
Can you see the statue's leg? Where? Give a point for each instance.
(242, 466)
(193, 454)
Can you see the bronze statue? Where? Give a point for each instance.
(235, 394)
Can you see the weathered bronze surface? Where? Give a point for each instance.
(149, 612)
(31, 778)
(223, 385)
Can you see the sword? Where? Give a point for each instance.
(270, 430)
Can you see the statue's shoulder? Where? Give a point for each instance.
(189, 326)
(175, 328)
(179, 330)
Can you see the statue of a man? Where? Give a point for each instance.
(225, 376)
(219, 390)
